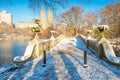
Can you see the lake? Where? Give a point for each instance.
(10, 49)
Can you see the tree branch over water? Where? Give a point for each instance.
(35, 5)
(54, 5)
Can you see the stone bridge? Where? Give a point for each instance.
(65, 62)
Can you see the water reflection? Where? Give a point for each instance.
(10, 49)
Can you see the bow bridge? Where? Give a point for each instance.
(63, 58)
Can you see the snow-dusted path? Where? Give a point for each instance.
(65, 62)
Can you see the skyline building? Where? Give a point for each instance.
(45, 20)
(5, 18)
(50, 18)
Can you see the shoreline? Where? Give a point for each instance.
(16, 39)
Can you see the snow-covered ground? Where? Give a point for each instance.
(64, 62)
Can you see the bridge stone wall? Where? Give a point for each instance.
(95, 46)
(46, 45)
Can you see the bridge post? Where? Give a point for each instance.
(85, 60)
(87, 44)
(44, 58)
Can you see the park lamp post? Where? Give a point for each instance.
(52, 34)
(36, 30)
(89, 33)
(102, 28)
(52, 43)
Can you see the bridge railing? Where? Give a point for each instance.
(50, 43)
(36, 48)
(93, 45)
(102, 47)
(47, 45)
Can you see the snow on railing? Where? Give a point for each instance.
(37, 49)
(43, 46)
(102, 47)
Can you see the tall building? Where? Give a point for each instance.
(50, 18)
(45, 20)
(5, 17)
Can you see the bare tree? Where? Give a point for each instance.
(90, 19)
(52, 4)
(110, 15)
(72, 17)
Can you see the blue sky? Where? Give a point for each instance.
(21, 12)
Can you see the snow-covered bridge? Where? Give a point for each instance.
(65, 62)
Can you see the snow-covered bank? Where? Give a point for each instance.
(65, 62)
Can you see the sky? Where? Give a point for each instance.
(22, 12)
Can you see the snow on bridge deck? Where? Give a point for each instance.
(65, 62)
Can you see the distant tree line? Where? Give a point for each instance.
(77, 22)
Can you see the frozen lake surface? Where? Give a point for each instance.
(10, 49)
